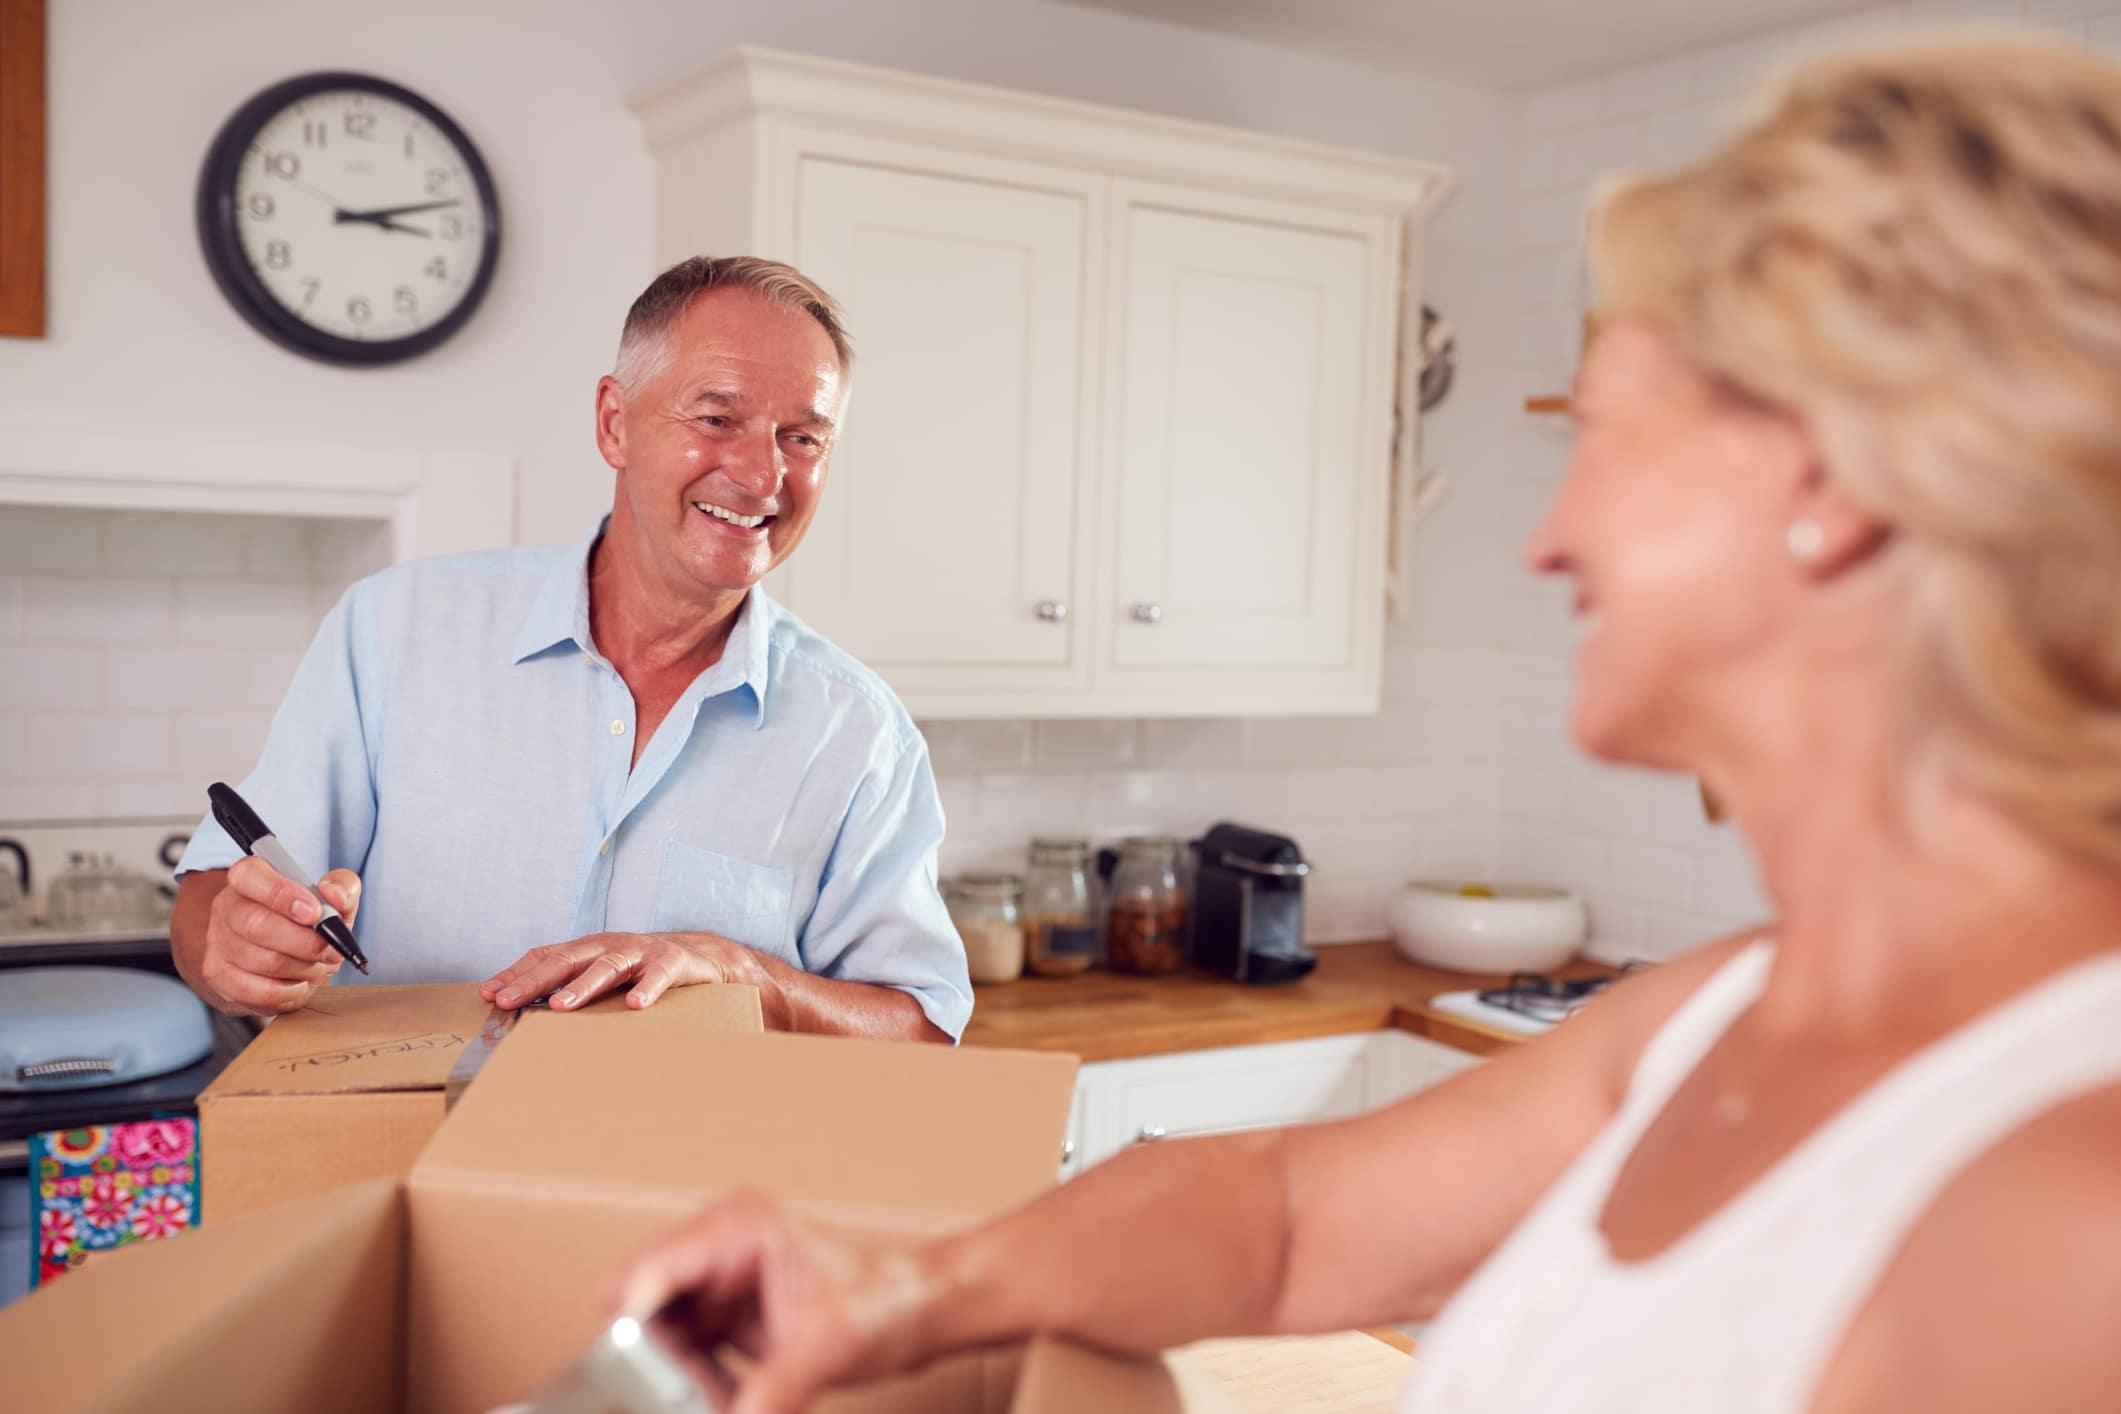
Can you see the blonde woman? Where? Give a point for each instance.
(1844, 522)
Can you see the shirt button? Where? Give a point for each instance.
(604, 848)
(588, 657)
(618, 728)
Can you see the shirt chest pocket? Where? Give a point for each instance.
(700, 891)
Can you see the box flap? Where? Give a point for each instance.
(292, 1308)
(359, 1039)
(621, 1100)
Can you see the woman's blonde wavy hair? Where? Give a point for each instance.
(1917, 252)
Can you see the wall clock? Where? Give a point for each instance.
(348, 219)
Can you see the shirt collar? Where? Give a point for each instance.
(560, 615)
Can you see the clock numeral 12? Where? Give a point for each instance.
(360, 125)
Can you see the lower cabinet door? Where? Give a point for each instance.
(1220, 1092)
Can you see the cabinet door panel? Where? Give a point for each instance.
(951, 514)
(1242, 441)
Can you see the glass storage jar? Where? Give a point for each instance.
(1145, 930)
(988, 912)
(1060, 922)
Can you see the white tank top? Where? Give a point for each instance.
(1743, 1313)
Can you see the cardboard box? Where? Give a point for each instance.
(469, 1284)
(351, 1086)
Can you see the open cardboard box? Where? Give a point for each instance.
(469, 1284)
(348, 1088)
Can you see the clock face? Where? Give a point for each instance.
(348, 219)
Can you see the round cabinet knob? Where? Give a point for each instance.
(1148, 613)
(1150, 1133)
(1053, 611)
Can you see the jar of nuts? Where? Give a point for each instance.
(1145, 929)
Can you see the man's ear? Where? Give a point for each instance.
(611, 422)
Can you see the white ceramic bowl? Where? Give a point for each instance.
(1523, 928)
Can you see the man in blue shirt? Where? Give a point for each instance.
(617, 764)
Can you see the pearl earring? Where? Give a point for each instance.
(1805, 539)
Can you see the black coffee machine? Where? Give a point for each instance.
(1248, 905)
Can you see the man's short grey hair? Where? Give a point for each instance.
(644, 345)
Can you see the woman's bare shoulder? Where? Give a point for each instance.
(1621, 1022)
(2008, 1292)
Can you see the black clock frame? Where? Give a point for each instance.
(220, 239)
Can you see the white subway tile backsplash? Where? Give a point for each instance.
(1538, 162)
(276, 549)
(2044, 11)
(1530, 793)
(1918, 15)
(1087, 744)
(174, 798)
(22, 800)
(1650, 873)
(97, 746)
(34, 540)
(1011, 809)
(1457, 849)
(1650, 88)
(50, 677)
(1184, 742)
(233, 613)
(176, 679)
(172, 547)
(267, 673)
(1559, 110)
(965, 747)
(97, 610)
(221, 745)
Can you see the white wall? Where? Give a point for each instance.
(1659, 877)
(140, 337)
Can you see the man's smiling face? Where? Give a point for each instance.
(721, 450)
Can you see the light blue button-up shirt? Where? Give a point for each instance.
(454, 737)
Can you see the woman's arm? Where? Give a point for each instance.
(1320, 1228)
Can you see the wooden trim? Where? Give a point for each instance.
(1546, 405)
(22, 168)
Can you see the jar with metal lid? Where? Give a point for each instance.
(1145, 930)
(988, 912)
(1060, 922)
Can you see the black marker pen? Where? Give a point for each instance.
(252, 837)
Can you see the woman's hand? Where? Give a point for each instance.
(808, 1310)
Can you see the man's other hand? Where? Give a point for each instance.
(577, 973)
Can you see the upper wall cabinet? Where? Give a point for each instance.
(1122, 434)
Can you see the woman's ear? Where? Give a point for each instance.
(1828, 532)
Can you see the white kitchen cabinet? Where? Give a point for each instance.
(1123, 1103)
(952, 551)
(1122, 435)
(1245, 555)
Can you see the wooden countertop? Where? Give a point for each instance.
(1355, 987)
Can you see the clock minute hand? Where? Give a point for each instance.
(380, 215)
